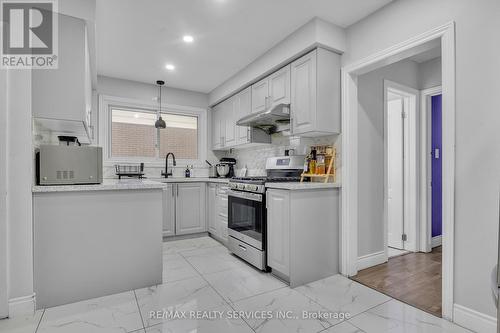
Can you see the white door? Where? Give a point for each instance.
(278, 230)
(244, 108)
(395, 171)
(212, 209)
(216, 127)
(279, 87)
(303, 95)
(190, 209)
(230, 113)
(260, 91)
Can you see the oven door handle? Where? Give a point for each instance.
(245, 195)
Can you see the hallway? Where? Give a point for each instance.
(413, 278)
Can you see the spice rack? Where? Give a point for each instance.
(330, 172)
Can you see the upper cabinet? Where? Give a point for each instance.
(310, 85)
(65, 94)
(315, 95)
(225, 133)
(260, 92)
(272, 90)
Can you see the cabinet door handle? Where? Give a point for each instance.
(242, 247)
(177, 186)
(173, 190)
(248, 133)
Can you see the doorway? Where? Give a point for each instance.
(445, 35)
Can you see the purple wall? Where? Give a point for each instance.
(437, 211)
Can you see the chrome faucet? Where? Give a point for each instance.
(166, 173)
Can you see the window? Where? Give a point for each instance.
(134, 135)
(180, 137)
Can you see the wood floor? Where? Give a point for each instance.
(413, 278)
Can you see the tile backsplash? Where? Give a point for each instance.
(254, 158)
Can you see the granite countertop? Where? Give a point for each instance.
(123, 184)
(302, 186)
(107, 185)
(190, 180)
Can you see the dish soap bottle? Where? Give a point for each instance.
(188, 172)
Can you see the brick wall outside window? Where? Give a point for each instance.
(135, 140)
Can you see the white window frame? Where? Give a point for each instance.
(107, 102)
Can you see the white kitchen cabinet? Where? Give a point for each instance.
(260, 92)
(272, 90)
(230, 108)
(315, 94)
(278, 231)
(211, 208)
(190, 208)
(225, 133)
(216, 127)
(303, 234)
(169, 210)
(64, 95)
(184, 209)
(279, 87)
(217, 211)
(243, 102)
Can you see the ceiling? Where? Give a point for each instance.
(136, 39)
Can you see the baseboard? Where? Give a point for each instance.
(436, 241)
(22, 305)
(473, 320)
(371, 259)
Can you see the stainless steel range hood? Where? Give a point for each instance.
(270, 120)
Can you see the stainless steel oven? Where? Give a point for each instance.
(247, 226)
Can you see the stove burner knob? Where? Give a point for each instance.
(241, 186)
(252, 187)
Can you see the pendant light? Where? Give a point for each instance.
(160, 123)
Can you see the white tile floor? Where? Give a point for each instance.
(201, 275)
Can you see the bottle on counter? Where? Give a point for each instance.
(188, 172)
(306, 163)
(320, 164)
(312, 162)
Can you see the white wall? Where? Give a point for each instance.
(146, 92)
(477, 123)
(429, 73)
(371, 151)
(19, 171)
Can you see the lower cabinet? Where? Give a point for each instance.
(217, 211)
(184, 209)
(303, 234)
(278, 231)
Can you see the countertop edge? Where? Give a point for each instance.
(294, 186)
(124, 185)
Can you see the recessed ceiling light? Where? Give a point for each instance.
(188, 39)
(170, 67)
(136, 115)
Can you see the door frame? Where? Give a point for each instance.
(410, 189)
(425, 168)
(349, 218)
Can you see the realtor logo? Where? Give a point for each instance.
(29, 34)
